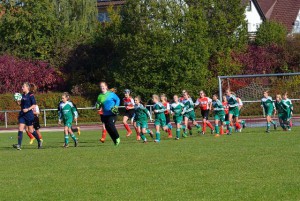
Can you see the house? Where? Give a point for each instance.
(286, 12)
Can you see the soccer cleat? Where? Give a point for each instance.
(170, 136)
(212, 132)
(184, 135)
(217, 135)
(268, 131)
(31, 141)
(102, 140)
(66, 145)
(118, 142)
(76, 143)
(128, 134)
(145, 142)
(138, 138)
(202, 133)
(78, 128)
(16, 146)
(190, 132)
(239, 130)
(275, 126)
(244, 125)
(176, 138)
(289, 129)
(157, 141)
(40, 144)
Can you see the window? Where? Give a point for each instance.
(248, 8)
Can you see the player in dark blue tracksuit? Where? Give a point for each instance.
(26, 116)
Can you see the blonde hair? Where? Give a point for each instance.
(155, 96)
(66, 94)
(163, 97)
(279, 96)
(27, 84)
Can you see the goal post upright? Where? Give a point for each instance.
(220, 78)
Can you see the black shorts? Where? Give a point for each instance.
(129, 113)
(167, 118)
(226, 117)
(102, 118)
(36, 123)
(204, 114)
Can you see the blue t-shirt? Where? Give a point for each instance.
(27, 101)
(107, 101)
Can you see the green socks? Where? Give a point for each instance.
(148, 131)
(157, 136)
(273, 122)
(66, 139)
(143, 137)
(268, 126)
(178, 132)
(73, 137)
(217, 129)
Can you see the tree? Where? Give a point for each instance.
(162, 47)
(271, 33)
(46, 29)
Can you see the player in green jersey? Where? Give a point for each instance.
(219, 114)
(234, 111)
(176, 111)
(189, 113)
(269, 108)
(160, 118)
(141, 117)
(290, 108)
(280, 109)
(66, 114)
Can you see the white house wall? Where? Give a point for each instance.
(253, 18)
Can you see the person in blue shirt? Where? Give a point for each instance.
(109, 102)
(26, 116)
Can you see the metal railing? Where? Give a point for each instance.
(44, 111)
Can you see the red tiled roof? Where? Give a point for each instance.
(266, 5)
(285, 12)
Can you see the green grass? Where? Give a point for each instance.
(251, 165)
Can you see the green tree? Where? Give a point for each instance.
(46, 29)
(271, 33)
(162, 47)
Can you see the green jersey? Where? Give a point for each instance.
(177, 109)
(232, 101)
(67, 111)
(267, 103)
(141, 113)
(188, 105)
(218, 107)
(288, 103)
(279, 107)
(159, 110)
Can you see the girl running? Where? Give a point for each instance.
(189, 113)
(176, 110)
(129, 113)
(280, 111)
(166, 104)
(109, 103)
(66, 114)
(205, 104)
(268, 106)
(26, 116)
(226, 110)
(160, 118)
(234, 111)
(289, 104)
(141, 114)
(219, 115)
(181, 100)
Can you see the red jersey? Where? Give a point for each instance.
(226, 107)
(128, 103)
(203, 103)
(167, 106)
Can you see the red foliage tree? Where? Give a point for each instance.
(14, 71)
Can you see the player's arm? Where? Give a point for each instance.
(60, 115)
(209, 104)
(74, 111)
(37, 110)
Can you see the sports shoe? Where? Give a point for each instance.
(202, 133)
(212, 132)
(170, 136)
(268, 131)
(239, 130)
(76, 143)
(145, 142)
(118, 141)
(16, 146)
(176, 138)
(184, 135)
(138, 138)
(157, 141)
(78, 128)
(191, 132)
(31, 141)
(217, 135)
(102, 140)
(66, 145)
(128, 134)
(275, 126)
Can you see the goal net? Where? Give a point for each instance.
(250, 89)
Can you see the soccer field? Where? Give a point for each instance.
(251, 165)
